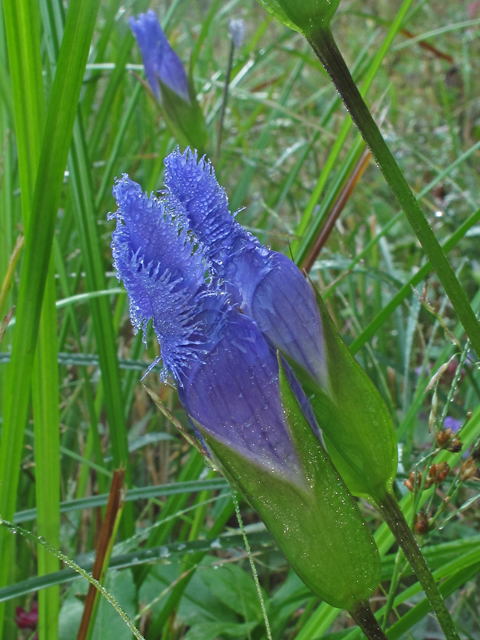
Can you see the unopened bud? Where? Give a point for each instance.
(468, 469)
(413, 481)
(303, 15)
(421, 523)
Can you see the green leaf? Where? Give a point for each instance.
(185, 120)
(108, 623)
(212, 630)
(236, 589)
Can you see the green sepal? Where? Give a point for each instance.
(305, 16)
(357, 427)
(184, 120)
(309, 511)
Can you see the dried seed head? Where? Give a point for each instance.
(455, 445)
(468, 469)
(414, 481)
(437, 473)
(443, 437)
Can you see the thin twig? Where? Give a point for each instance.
(107, 531)
(337, 209)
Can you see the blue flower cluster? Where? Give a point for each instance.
(221, 305)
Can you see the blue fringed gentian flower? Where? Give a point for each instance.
(212, 303)
(269, 288)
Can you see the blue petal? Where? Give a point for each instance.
(234, 395)
(191, 184)
(165, 277)
(284, 307)
(159, 59)
(453, 424)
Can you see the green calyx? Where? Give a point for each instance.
(357, 427)
(184, 119)
(304, 16)
(308, 510)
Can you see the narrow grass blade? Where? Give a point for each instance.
(22, 26)
(131, 495)
(406, 290)
(168, 552)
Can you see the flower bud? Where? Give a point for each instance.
(302, 15)
(169, 82)
(236, 26)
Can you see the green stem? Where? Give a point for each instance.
(223, 108)
(363, 616)
(325, 47)
(393, 516)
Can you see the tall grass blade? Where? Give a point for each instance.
(24, 49)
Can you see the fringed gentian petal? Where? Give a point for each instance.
(159, 59)
(164, 274)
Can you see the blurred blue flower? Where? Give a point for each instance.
(267, 285)
(453, 424)
(159, 59)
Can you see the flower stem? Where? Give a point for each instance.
(226, 86)
(393, 516)
(363, 616)
(325, 47)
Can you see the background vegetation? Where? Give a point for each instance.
(179, 565)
